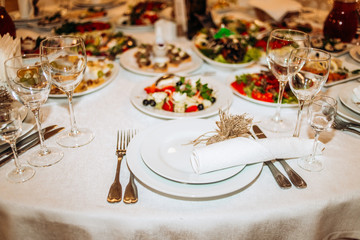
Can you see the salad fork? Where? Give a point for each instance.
(115, 192)
(339, 124)
(131, 193)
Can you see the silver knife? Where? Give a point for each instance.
(294, 177)
(30, 145)
(26, 140)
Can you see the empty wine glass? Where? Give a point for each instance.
(309, 69)
(10, 130)
(30, 87)
(279, 46)
(321, 115)
(63, 59)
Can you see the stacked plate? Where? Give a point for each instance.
(160, 158)
(347, 108)
(94, 3)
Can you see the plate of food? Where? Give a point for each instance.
(332, 45)
(88, 14)
(260, 86)
(98, 74)
(94, 3)
(174, 59)
(224, 49)
(341, 72)
(181, 97)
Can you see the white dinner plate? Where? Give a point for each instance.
(108, 80)
(355, 53)
(128, 61)
(94, 3)
(345, 96)
(169, 154)
(225, 66)
(223, 96)
(162, 185)
(231, 78)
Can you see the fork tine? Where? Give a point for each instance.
(123, 134)
(117, 142)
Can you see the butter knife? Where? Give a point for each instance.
(30, 145)
(26, 140)
(294, 177)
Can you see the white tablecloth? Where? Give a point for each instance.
(68, 200)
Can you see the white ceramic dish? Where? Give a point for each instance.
(355, 53)
(162, 185)
(223, 96)
(108, 80)
(128, 61)
(169, 154)
(345, 96)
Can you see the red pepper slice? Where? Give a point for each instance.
(168, 106)
(192, 108)
(238, 87)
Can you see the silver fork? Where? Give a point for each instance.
(345, 126)
(115, 192)
(131, 193)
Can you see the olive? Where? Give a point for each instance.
(178, 83)
(145, 102)
(200, 106)
(152, 102)
(213, 99)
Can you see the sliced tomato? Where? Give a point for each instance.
(150, 89)
(192, 108)
(265, 97)
(168, 106)
(238, 87)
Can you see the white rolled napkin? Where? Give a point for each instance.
(240, 151)
(277, 9)
(356, 95)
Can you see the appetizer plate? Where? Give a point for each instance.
(355, 53)
(108, 80)
(231, 78)
(223, 95)
(128, 61)
(225, 66)
(169, 154)
(345, 96)
(348, 65)
(94, 3)
(167, 187)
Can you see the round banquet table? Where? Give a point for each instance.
(68, 200)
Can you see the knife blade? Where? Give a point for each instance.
(280, 179)
(25, 140)
(294, 177)
(30, 145)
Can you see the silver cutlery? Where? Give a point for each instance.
(339, 124)
(30, 145)
(131, 193)
(294, 177)
(115, 191)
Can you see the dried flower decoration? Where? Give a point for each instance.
(230, 126)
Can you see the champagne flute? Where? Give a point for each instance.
(279, 46)
(309, 69)
(31, 87)
(10, 130)
(63, 59)
(321, 115)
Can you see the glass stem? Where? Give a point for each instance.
(316, 142)
(298, 120)
(43, 149)
(16, 159)
(74, 129)
(277, 117)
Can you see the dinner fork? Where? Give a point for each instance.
(345, 126)
(131, 193)
(115, 192)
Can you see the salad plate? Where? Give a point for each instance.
(168, 155)
(345, 96)
(222, 93)
(167, 187)
(341, 71)
(128, 61)
(106, 69)
(231, 78)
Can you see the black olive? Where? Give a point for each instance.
(145, 102)
(178, 83)
(200, 106)
(213, 99)
(152, 102)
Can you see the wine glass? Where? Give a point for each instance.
(321, 115)
(63, 59)
(10, 130)
(309, 70)
(279, 46)
(30, 86)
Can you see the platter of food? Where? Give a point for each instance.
(260, 86)
(174, 59)
(341, 72)
(333, 45)
(181, 97)
(98, 74)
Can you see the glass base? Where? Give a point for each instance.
(69, 140)
(21, 175)
(277, 126)
(315, 165)
(38, 159)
